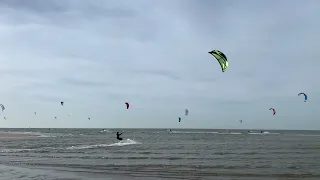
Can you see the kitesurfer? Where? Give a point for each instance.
(118, 136)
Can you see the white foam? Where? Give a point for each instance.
(120, 143)
(23, 133)
(124, 142)
(200, 132)
(231, 133)
(35, 134)
(105, 130)
(54, 135)
(264, 133)
(309, 135)
(15, 150)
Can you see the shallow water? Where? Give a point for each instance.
(159, 154)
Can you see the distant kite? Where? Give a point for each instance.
(2, 107)
(305, 96)
(274, 111)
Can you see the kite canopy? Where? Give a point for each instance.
(274, 111)
(62, 103)
(179, 119)
(127, 105)
(240, 121)
(2, 107)
(222, 59)
(186, 111)
(305, 96)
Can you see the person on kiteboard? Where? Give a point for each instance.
(118, 136)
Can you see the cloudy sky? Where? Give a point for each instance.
(96, 55)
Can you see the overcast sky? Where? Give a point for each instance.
(96, 55)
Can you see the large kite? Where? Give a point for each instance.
(222, 59)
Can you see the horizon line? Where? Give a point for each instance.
(168, 128)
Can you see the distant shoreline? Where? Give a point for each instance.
(222, 129)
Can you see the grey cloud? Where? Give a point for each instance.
(57, 7)
(35, 5)
(49, 98)
(164, 73)
(19, 73)
(69, 14)
(84, 83)
(107, 52)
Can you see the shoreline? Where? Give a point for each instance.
(236, 129)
